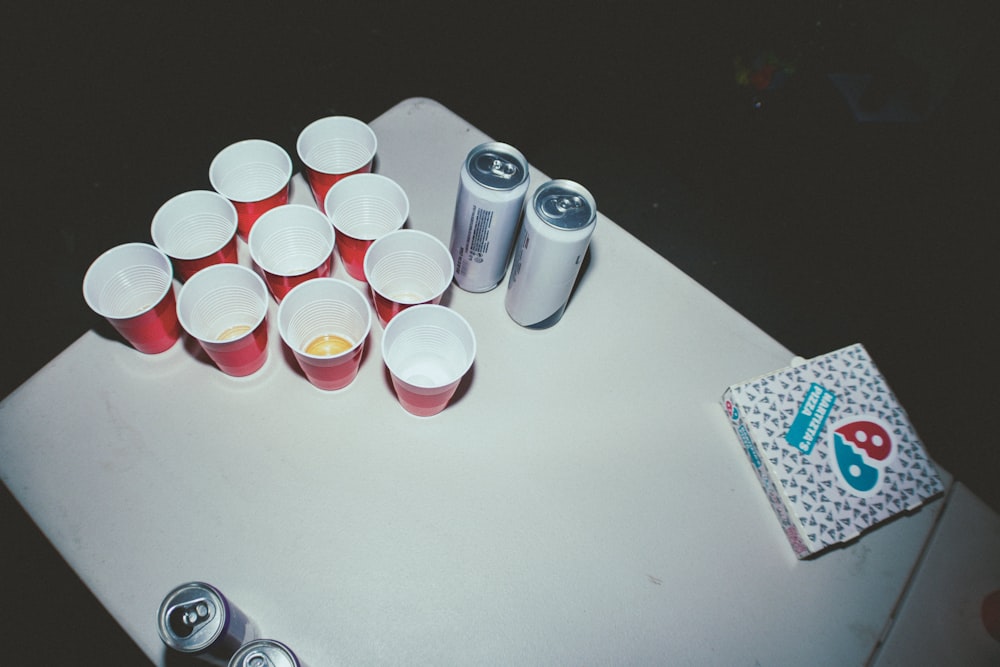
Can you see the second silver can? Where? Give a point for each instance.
(549, 252)
(491, 190)
(265, 653)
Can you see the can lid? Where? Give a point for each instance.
(192, 617)
(264, 653)
(497, 166)
(564, 204)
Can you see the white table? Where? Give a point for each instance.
(940, 622)
(583, 501)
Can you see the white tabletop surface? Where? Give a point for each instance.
(583, 501)
(940, 621)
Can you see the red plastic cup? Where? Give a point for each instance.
(224, 307)
(334, 148)
(428, 349)
(131, 286)
(406, 268)
(255, 175)
(364, 208)
(292, 244)
(326, 322)
(196, 229)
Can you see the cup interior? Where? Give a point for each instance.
(409, 266)
(250, 170)
(127, 281)
(337, 145)
(367, 206)
(428, 349)
(193, 225)
(221, 303)
(324, 318)
(291, 240)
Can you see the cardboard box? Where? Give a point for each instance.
(832, 447)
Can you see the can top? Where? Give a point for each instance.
(264, 653)
(564, 205)
(497, 166)
(192, 617)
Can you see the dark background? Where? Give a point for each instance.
(822, 230)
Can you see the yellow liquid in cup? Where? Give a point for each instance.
(328, 345)
(234, 332)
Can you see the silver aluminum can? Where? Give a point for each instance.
(549, 252)
(265, 653)
(196, 618)
(491, 191)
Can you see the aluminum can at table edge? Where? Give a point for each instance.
(491, 191)
(265, 653)
(196, 618)
(549, 252)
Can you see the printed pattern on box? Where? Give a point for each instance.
(832, 447)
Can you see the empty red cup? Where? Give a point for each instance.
(406, 268)
(428, 349)
(224, 307)
(292, 244)
(255, 175)
(333, 148)
(131, 286)
(196, 229)
(326, 322)
(364, 208)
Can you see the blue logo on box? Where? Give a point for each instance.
(808, 423)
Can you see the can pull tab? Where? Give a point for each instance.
(503, 169)
(184, 619)
(258, 659)
(557, 207)
(566, 204)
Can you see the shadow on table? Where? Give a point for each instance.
(176, 659)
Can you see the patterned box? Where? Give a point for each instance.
(832, 447)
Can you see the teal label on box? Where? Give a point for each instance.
(808, 423)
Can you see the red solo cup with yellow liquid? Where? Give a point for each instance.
(224, 308)
(255, 175)
(196, 229)
(292, 244)
(332, 149)
(405, 268)
(428, 349)
(326, 322)
(131, 286)
(363, 209)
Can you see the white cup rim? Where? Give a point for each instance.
(279, 158)
(276, 217)
(97, 272)
(160, 219)
(357, 185)
(394, 236)
(456, 320)
(359, 128)
(290, 302)
(194, 283)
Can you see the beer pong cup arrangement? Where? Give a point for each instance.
(428, 349)
(292, 244)
(196, 229)
(332, 148)
(254, 175)
(131, 287)
(224, 307)
(326, 322)
(364, 208)
(405, 268)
